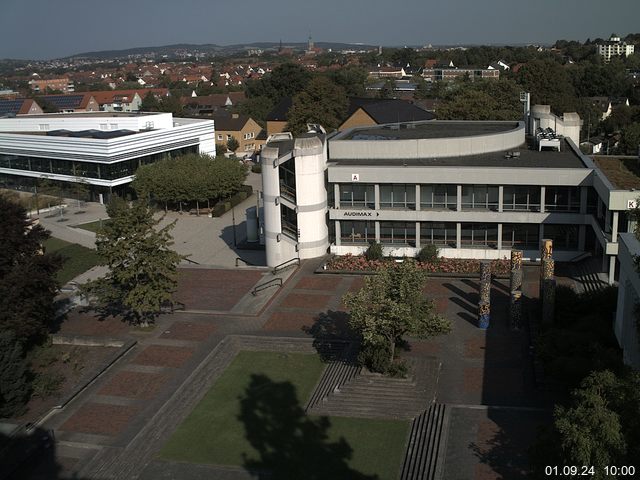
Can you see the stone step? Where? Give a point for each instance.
(334, 377)
(378, 397)
(363, 412)
(425, 445)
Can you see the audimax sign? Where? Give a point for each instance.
(360, 214)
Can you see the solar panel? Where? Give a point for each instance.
(10, 106)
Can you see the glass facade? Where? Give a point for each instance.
(289, 220)
(357, 195)
(357, 233)
(398, 233)
(438, 233)
(438, 197)
(524, 198)
(76, 168)
(565, 237)
(479, 197)
(287, 172)
(400, 195)
(479, 235)
(562, 199)
(523, 236)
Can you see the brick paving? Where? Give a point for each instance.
(189, 331)
(100, 419)
(328, 283)
(214, 289)
(287, 321)
(304, 300)
(137, 385)
(163, 356)
(89, 324)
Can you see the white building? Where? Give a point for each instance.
(474, 189)
(104, 149)
(626, 325)
(615, 48)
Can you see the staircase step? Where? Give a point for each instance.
(425, 445)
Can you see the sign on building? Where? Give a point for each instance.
(355, 177)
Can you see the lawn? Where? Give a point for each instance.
(260, 397)
(77, 259)
(91, 226)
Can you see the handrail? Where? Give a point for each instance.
(286, 264)
(191, 261)
(265, 285)
(246, 262)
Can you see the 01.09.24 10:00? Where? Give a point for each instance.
(588, 471)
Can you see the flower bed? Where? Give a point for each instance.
(359, 263)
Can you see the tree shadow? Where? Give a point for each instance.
(331, 333)
(289, 444)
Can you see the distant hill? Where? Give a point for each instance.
(210, 49)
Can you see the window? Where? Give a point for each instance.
(398, 196)
(357, 195)
(562, 199)
(479, 235)
(357, 232)
(438, 234)
(565, 237)
(523, 236)
(287, 173)
(228, 137)
(103, 126)
(479, 197)
(289, 221)
(441, 197)
(219, 137)
(43, 127)
(113, 126)
(398, 233)
(526, 198)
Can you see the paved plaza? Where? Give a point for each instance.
(115, 428)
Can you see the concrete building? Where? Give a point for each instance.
(451, 73)
(614, 47)
(241, 127)
(104, 149)
(626, 324)
(474, 189)
(19, 106)
(63, 84)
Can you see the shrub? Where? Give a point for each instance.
(14, 387)
(374, 252)
(375, 357)
(428, 254)
(398, 369)
(256, 168)
(46, 384)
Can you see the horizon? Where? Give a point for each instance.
(198, 22)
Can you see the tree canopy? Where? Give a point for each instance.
(322, 101)
(482, 100)
(142, 267)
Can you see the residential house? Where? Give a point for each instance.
(72, 103)
(62, 84)
(241, 127)
(210, 104)
(614, 47)
(364, 112)
(125, 100)
(19, 106)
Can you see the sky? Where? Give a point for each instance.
(44, 29)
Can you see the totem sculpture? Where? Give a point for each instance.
(515, 304)
(484, 307)
(547, 281)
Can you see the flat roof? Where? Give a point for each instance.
(529, 158)
(429, 129)
(622, 172)
(87, 114)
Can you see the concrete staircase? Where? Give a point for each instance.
(588, 276)
(426, 444)
(371, 395)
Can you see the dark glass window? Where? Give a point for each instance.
(479, 197)
(357, 195)
(479, 235)
(357, 232)
(516, 197)
(399, 195)
(398, 233)
(438, 197)
(565, 237)
(523, 236)
(438, 234)
(562, 199)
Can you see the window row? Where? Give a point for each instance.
(472, 235)
(474, 197)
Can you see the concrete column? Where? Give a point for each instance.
(336, 194)
(377, 230)
(614, 227)
(376, 191)
(583, 200)
(458, 198)
(582, 232)
(418, 235)
(500, 235)
(417, 204)
(338, 233)
(543, 192)
(500, 200)
(458, 235)
(612, 268)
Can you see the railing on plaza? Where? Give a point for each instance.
(191, 261)
(287, 264)
(246, 262)
(274, 282)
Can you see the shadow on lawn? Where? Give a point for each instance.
(290, 444)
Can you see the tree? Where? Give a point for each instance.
(285, 80)
(27, 277)
(630, 143)
(388, 88)
(150, 103)
(322, 101)
(549, 84)
(482, 100)
(142, 267)
(352, 78)
(391, 305)
(14, 387)
(232, 144)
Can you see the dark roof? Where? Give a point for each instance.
(437, 129)
(62, 102)
(527, 159)
(90, 133)
(280, 111)
(11, 106)
(230, 123)
(389, 110)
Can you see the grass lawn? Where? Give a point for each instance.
(77, 259)
(91, 226)
(216, 430)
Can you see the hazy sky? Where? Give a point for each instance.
(39, 29)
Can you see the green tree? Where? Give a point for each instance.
(14, 387)
(27, 277)
(352, 78)
(285, 80)
(142, 267)
(322, 101)
(549, 84)
(233, 144)
(482, 100)
(150, 103)
(630, 142)
(391, 305)
(388, 89)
